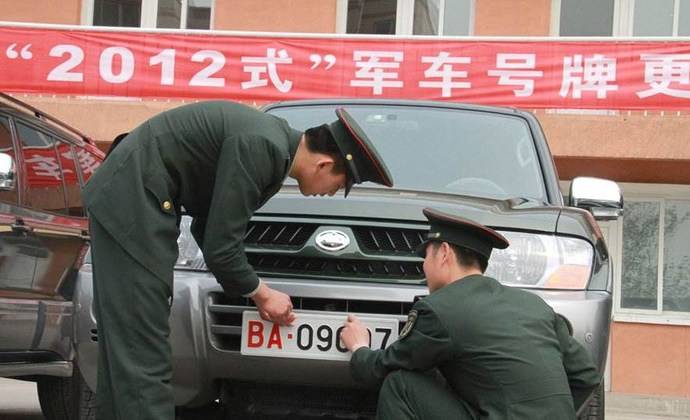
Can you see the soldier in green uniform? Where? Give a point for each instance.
(217, 162)
(503, 352)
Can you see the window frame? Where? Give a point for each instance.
(18, 161)
(149, 14)
(404, 18)
(661, 194)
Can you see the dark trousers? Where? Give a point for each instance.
(132, 307)
(407, 395)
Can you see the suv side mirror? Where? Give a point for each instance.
(600, 197)
(6, 172)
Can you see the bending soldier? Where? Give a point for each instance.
(219, 161)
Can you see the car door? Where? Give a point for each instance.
(17, 256)
(59, 238)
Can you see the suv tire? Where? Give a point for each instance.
(596, 407)
(66, 398)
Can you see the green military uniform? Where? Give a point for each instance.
(503, 352)
(218, 162)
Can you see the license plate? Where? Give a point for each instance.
(312, 336)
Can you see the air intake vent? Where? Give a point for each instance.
(334, 267)
(389, 241)
(278, 234)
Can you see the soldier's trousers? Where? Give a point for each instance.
(407, 395)
(132, 307)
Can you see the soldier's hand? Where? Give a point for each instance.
(355, 334)
(274, 306)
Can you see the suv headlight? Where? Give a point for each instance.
(542, 261)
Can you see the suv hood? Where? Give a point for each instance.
(406, 206)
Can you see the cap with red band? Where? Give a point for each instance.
(462, 232)
(362, 161)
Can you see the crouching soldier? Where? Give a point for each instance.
(504, 353)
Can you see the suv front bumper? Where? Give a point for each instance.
(206, 328)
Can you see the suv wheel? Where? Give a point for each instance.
(595, 408)
(66, 398)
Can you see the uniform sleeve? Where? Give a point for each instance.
(583, 375)
(427, 345)
(246, 166)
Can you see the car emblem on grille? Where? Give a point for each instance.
(332, 240)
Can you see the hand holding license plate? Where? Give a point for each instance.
(311, 336)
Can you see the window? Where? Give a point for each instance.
(87, 160)
(43, 172)
(8, 173)
(190, 14)
(643, 18)
(71, 179)
(676, 256)
(371, 16)
(660, 18)
(655, 272)
(490, 141)
(584, 17)
(409, 17)
(640, 255)
(177, 14)
(117, 13)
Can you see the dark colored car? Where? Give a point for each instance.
(43, 241)
(336, 255)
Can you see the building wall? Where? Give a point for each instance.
(106, 118)
(67, 12)
(512, 17)
(627, 146)
(263, 15)
(646, 135)
(650, 359)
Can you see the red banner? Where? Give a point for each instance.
(528, 74)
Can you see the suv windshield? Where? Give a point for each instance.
(443, 150)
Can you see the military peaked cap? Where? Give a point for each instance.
(362, 161)
(461, 232)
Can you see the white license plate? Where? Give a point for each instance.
(311, 336)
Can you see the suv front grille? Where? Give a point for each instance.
(389, 240)
(278, 234)
(330, 267)
(225, 313)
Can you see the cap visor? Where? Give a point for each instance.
(383, 176)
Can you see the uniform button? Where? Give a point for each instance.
(167, 205)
